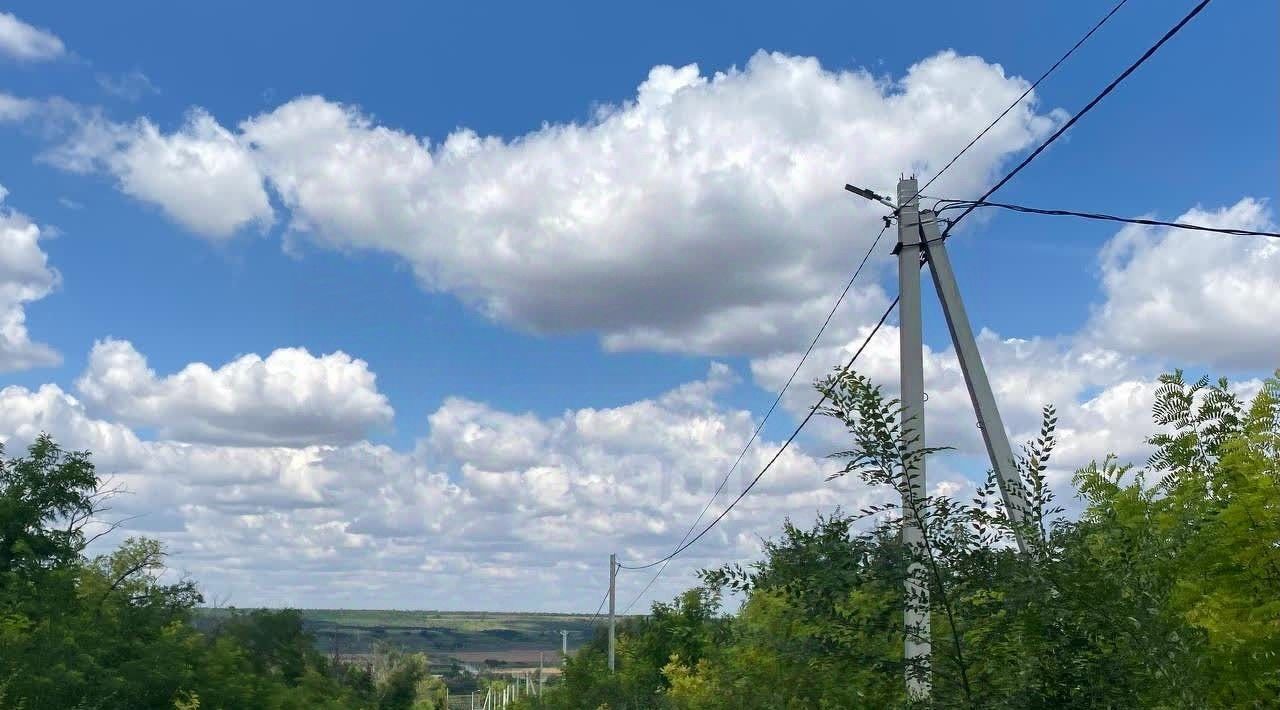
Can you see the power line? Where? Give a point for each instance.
(1081, 113)
(1025, 94)
(830, 314)
(599, 608)
(970, 204)
(1025, 162)
(812, 410)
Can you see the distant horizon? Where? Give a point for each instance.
(407, 611)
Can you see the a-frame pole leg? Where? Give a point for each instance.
(975, 375)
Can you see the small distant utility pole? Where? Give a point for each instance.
(613, 576)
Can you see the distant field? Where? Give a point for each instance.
(469, 637)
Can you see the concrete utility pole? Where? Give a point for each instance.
(564, 643)
(613, 576)
(918, 236)
(541, 678)
(918, 648)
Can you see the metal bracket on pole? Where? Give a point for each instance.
(975, 375)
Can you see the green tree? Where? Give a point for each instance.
(107, 632)
(46, 497)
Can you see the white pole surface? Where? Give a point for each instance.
(918, 649)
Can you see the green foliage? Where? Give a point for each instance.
(108, 633)
(1161, 593)
(687, 629)
(402, 681)
(47, 497)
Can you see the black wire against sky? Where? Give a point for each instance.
(1081, 113)
(970, 204)
(598, 608)
(1024, 95)
(812, 410)
(812, 343)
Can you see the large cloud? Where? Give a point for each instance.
(706, 214)
(290, 397)
(21, 41)
(25, 276)
(485, 495)
(1195, 297)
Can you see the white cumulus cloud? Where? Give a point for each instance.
(289, 398)
(201, 175)
(1195, 297)
(25, 276)
(1025, 375)
(21, 41)
(365, 523)
(701, 215)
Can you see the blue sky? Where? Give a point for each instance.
(473, 315)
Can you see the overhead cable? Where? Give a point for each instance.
(971, 204)
(812, 410)
(1081, 113)
(812, 343)
(599, 608)
(1025, 94)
